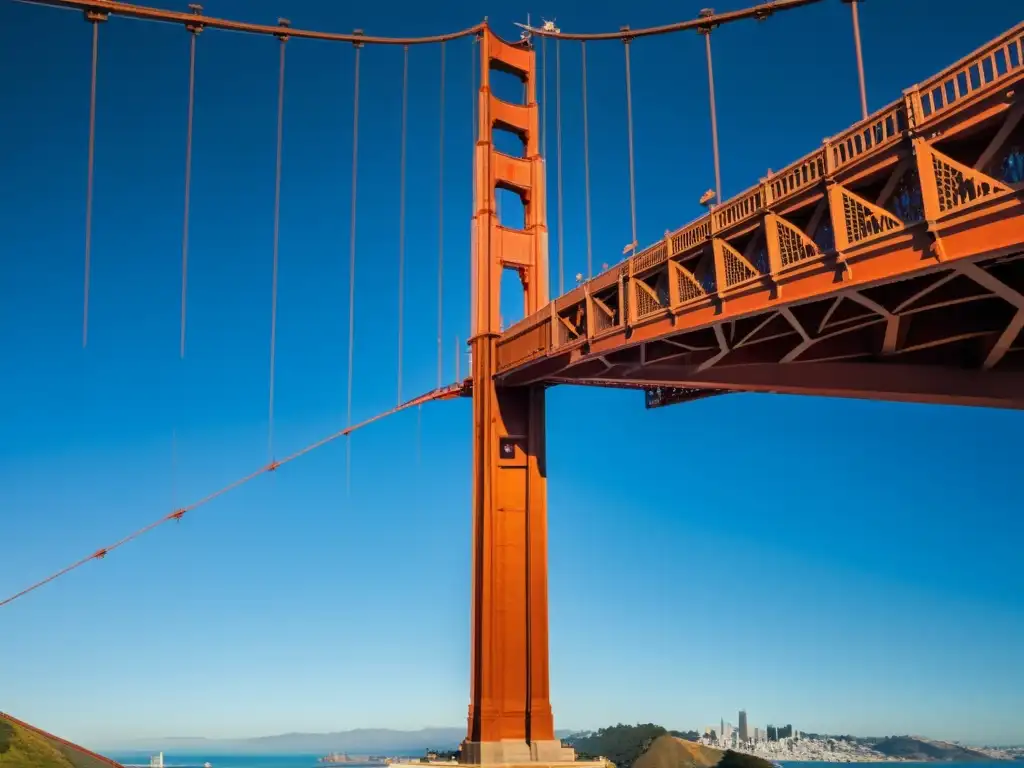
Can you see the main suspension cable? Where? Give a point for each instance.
(759, 12)
(95, 19)
(401, 211)
(558, 168)
(586, 159)
(194, 29)
(352, 264)
(629, 125)
(277, 236)
(440, 222)
(177, 514)
(146, 13)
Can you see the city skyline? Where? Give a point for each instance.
(849, 565)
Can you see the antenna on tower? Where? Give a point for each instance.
(524, 32)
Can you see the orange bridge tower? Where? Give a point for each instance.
(510, 718)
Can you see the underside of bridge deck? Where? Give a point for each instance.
(951, 335)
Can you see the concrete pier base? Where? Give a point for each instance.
(515, 752)
(511, 763)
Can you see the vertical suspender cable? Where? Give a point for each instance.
(543, 98)
(860, 58)
(94, 18)
(475, 95)
(440, 251)
(440, 219)
(474, 73)
(401, 211)
(174, 469)
(629, 124)
(586, 158)
(277, 231)
(419, 433)
(194, 30)
(558, 168)
(352, 264)
(706, 31)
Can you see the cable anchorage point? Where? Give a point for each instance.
(195, 27)
(705, 29)
(284, 24)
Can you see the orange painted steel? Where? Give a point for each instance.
(510, 717)
(887, 264)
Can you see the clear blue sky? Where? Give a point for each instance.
(840, 565)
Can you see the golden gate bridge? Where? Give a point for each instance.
(886, 264)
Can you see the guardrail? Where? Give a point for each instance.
(972, 76)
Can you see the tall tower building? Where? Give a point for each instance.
(744, 735)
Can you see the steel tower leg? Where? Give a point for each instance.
(510, 718)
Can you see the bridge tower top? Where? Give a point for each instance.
(496, 247)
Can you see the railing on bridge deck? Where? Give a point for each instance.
(702, 266)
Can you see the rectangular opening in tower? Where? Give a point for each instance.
(507, 86)
(510, 209)
(513, 300)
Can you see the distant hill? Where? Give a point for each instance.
(915, 748)
(361, 741)
(24, 746)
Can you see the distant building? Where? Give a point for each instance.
(744, 735)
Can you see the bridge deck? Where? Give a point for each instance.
(887, 263)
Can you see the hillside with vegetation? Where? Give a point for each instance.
(914, 748)
(670, 752)
(22, 746)
(652, 746)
